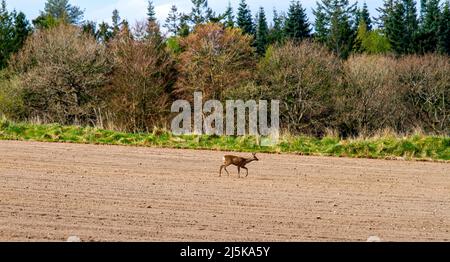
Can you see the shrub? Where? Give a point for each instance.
(213, 60)
(304, 77)
(425, 85)
(11, 102)
(62, 72)
(370, 100)
(142, 78)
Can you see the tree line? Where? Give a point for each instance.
(348, 72)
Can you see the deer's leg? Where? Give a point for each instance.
(225, 167)
(246, 169)
(239, 171)
(220, 172)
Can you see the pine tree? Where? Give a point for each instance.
(22, 30)
(229, 17)
(423, 10)
(396, 29)
(297, 26)
(262, 31)
(321, 24)
(276, 33)
(443, 45)
(173, 21)
(385, 13)
(200, 13)
(412, 25)
(104, 33)
(6, 34)
(363, 14)
(151, 14)
(14, 30)
(429, 27)
(184, 25)
(361, 35)
(400, 25)
(244, 18)
(115, 23)
(62, 10)
(90, 28)
(334, 25)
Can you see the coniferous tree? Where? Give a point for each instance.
(335, 25)
(262, 31)
(229, 17)
(22, 30)
(429, 26)
(6, 34)
(412, 25)
(363, 14)
(104, 33)
(151, 14)
(276, 32)
(90, 28)
(200, 13)
(63, 10)
(184, 25)
(14, 30)
(173, 21)
(423, 8)
(321, 24)
(443, 45)
(392, 21)
(244, 18)
(152, 29)
(115, 23)
(297, 26)
(385, 13)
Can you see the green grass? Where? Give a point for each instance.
(415, 147)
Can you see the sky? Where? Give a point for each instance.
(135, 10)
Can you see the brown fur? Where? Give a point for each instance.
(240, 162)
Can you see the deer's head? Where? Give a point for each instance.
(254, 157)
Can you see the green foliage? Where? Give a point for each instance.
(14, 30)
(429, 28)
(116, 23)
(443, 45)
(173, 44)
(58, 11)
(297, 26)
(61, 9)
(321, 24)
(11, 101)
(276, 32)
(201, 13)
(334, 25)
(90, 28)
(173, 21)
(415, 147)
(244, 18)
(363, 15)
(151, 14)
(229, 17)
(401, 25)
(104, 33)
(371, 42)
(262, 32)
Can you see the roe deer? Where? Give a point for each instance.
(240, 162)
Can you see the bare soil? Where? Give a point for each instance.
(50, 191)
